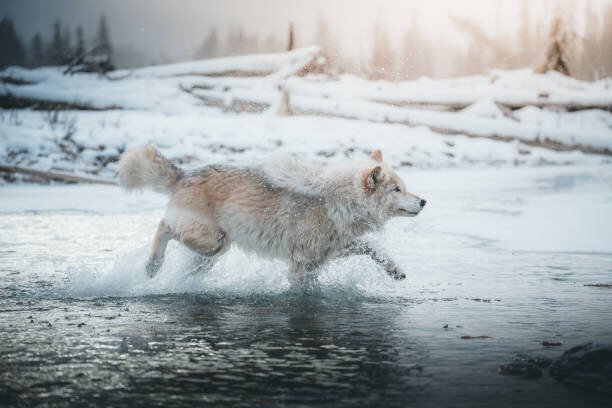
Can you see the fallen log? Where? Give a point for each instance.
(543, 142)
(49, 175)
(10, 101)
(294, 105)
(456, 106)
(285, 63)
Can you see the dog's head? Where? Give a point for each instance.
(383, 188)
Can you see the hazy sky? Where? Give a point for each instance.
(174, 29)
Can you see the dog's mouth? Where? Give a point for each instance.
(405, 213)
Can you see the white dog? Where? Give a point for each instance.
(304, 215)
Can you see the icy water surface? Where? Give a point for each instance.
(502, 256)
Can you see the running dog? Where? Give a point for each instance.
(304, 215)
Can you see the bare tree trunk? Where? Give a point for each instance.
(291, 40)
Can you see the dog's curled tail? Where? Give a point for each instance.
(146, 167)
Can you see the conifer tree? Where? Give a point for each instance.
(37, 52)
(12, 51)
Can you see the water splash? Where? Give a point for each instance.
(235, 274)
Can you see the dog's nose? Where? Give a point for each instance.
(423, 202)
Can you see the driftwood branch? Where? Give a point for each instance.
(49, 175)
(9, 101)
(81, 64)
(474, 31)
(451, 106)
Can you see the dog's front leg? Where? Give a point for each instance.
(302, 274)
(378, 255)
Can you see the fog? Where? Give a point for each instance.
(147, 32)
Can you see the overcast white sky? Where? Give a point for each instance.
(174, 29)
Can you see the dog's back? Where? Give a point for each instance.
(271, 220)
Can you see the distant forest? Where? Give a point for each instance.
(66, 46)
(414, 55)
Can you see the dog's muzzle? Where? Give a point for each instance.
(411, 210)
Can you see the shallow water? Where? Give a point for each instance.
(497, 253)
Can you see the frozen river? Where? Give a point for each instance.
(500, 261)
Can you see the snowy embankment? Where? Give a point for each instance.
(238, 108)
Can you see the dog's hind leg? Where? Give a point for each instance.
(203, 237)
(160, 242)
(209, 245)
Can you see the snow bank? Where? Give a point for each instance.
(191, 114)
(91, 142)
(511, 88)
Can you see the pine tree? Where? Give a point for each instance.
(80, 44)
(328, 47)
(382, 60)
(12, 51)
(37, 53)
(416, 59)
(66, 50)
(271, 44)
(605, 42)
(103, 38)
(54, 52)
(559, 49)
(322, 36)
(525, 40)
(210, 46)
(236, 42)
(588, 59)
(103, 53)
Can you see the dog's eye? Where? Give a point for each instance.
(397, 189)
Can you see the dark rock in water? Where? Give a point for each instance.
(547, 343)
(541, 362)
(587, 366)
(599, 285)
(475, 337)
(521, 369)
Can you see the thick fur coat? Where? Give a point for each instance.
(304, 215)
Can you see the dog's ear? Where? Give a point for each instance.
(372, 178)
(376, 155)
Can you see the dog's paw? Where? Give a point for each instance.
(395, 272)
(152, 268)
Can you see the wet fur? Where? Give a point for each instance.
(301, 214)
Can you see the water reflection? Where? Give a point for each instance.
(267, 350)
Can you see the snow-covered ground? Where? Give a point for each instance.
(243, 108)
(97, 138)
